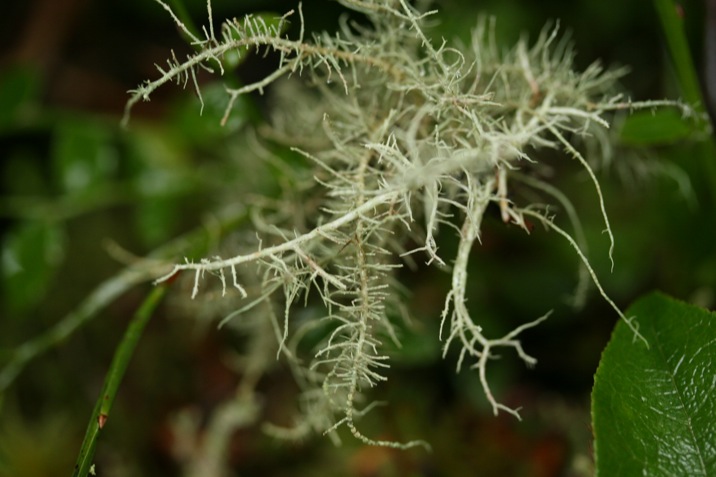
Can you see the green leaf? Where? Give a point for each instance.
(654, 409)
(83, 155)
(31, 254)
(157, 220)
(206, 129)
(161, 175)
(660, 127)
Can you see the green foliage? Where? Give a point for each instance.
(31, 255)
(653, 406)
(82, 156)
(206, 129)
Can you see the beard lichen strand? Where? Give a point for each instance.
(261, 253)
(366, 344)
(548, 222)
(360, 352)
(256, 37)
(462, 328)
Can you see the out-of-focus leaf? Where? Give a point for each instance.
(158, 165)
(83, 155)
(654, 409)
(19, 87)
(156, 159)
(157, 220)
(662, 126)
(416, 349)
(206, 129)
(417, 343)
(31, 254)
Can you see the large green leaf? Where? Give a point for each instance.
(654, 408)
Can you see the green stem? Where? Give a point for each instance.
(673, 27)
(122, 356)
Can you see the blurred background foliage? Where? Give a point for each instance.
(81, 198)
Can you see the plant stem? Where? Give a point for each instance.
(673, 28)
(122, 356)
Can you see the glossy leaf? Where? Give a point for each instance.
(654, 409)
